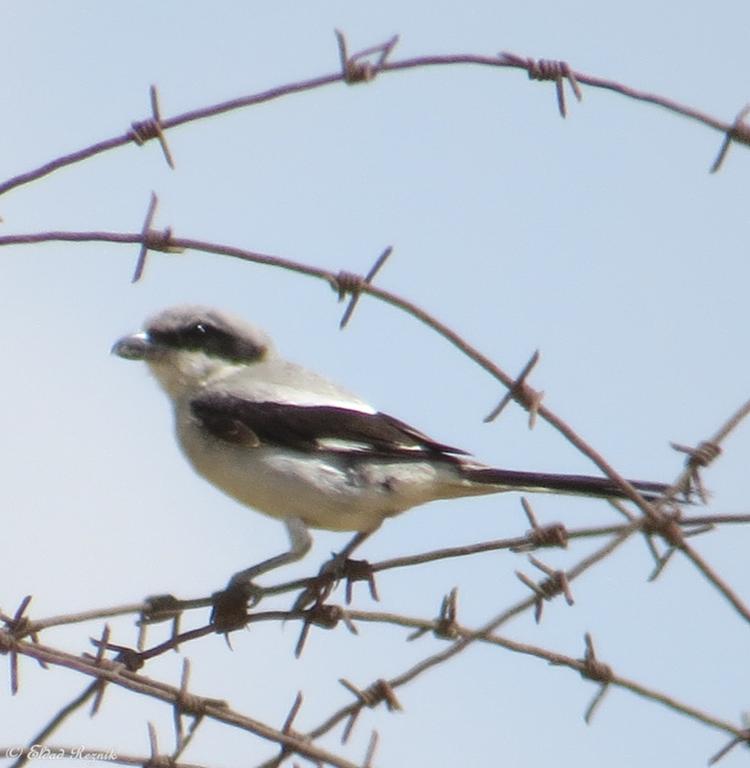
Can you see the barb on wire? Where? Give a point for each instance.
(153, 745)
(740, 738)
(185, 703)
(125, 657)
(675, 532)
(593, 669)
(179, 732)
(371, 747)
(552, 535)
(738, 131)
(713, 445)
(100, 651)
(142, 131)
(359, 570)
(286, 729)
(662, 560)
(697, 459)
(18, 628)
(380, 691)
(355, 68)
(349, 284)
(446, 623)
(547, 69)
(556, 583)
(522, 393)
(321, 615)
(152, 240)
(141, 262)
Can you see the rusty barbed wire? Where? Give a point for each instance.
(386, 296)
(586, 563)
(115, 673)
(653, 522)
(464, 641)
(142, 131)
(380, 691)
(557, 585)
(522, 393)
(286, 728)
(558, 535)
(99, 694)
(589, 667)
(738, 131)
(546, 69)
(354, 69)
(346, 283)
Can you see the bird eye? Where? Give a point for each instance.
(200, 328)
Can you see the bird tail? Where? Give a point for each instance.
(535, 482)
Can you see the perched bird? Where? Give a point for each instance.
(293, 445)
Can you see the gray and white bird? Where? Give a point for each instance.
(293, 445)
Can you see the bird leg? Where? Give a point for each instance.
(230, 605)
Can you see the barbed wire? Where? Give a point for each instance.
(356, 69)
(552, 535)
(117, 672)
(557, 582)
(658, 519)
(523, 395)
(661, 522)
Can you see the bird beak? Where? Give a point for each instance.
(137, 346)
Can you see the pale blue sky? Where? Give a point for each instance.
(601, 240)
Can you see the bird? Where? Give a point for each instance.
(291, 444)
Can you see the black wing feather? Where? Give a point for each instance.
(303, 427)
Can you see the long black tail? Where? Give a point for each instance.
(579, 485)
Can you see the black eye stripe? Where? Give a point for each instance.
(213, 340)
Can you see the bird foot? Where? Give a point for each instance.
(336, 569)
(229, 606)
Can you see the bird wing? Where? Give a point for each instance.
(313, 428)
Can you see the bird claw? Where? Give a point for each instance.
(336, 569)
(229, 611)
